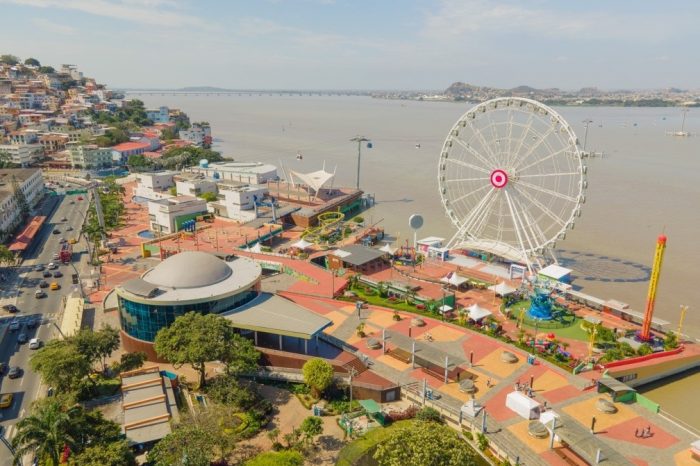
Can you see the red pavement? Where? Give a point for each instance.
(433, 381)
(625, 432)
(560, 394)
(481, 346)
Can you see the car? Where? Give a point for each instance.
(56, 231)
(62, 240)
(43, 284)
(14, 372)
(73, 241)
(55, 286)
(39, 294)
(52, 266)
(64, 219)
(3, 367)
(10, 308)
(39, 267)
(22, 338)
(6, 400)
(34, 343)
(80, 198)
(14, 326)
(46, 274)
(34, 323)
(69, 228)
(57, 274)
(56, 256)
(72, 202)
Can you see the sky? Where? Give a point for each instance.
(362, 44)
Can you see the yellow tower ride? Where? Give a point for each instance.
(645, 334)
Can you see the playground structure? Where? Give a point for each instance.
(540, 305)
(406, 255)
(645, 333)
(272, 204)
(328, 230)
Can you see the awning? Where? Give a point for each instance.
(615, 385)
(302, 244)
(25, 237)
(370, 406)
(477, 312)
(502, 289)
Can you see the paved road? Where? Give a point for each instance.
(19, 287)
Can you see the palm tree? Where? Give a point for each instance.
(46, 432)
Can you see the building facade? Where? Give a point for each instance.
(23, 154)
(241, 172)
(199, 134)
(90, 156)
(159, 115)
(31, 182)
(167, 215)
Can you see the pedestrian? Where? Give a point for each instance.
(545, 405)
(636, 432)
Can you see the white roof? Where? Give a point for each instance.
(555, 271)
(430, 240)
(477, 312)
(189, 269)
(502, 289)
(523, 400)
(445, 308)
(388, 248)
(315, 180)
(547, 416)
(255, 248)
(453, 279)
(302, 244)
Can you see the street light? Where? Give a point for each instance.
(586, 122)
(360, 140)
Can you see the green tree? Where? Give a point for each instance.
(644, 349)
(239, 355)
(112, 454)
(429, 414)
(47, 70)
(168, 134)
(226, 390)
(187, 445)
(9, 59)
(139, 162)
(7, 257)
(45, 432)
(671, 341)
(97, 346)
(131, 361)
(195, 339)
(423, 444)
(60, 365)
(318, 375)
(310, 427)
(6, 160)
(208, 196)
(32, 62)
(277, 458)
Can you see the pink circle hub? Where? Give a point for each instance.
(499, 178)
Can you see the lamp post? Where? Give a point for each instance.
(359, 140)
(586, 122)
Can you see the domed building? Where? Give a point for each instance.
(184, 282)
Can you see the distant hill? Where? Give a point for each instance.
(202, 89)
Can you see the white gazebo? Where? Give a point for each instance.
(477, 313)
(445, 309)
(389, 249)
(502, 289)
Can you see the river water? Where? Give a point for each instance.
(646, 183)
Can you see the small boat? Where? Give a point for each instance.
(299, 156)
(417, 146)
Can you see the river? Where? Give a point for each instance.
(644, 185)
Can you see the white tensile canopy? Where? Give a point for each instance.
(389, 249)
(314, 180)
(302, 244)
(453, 279)
(476, 312)
(502, 289)
(255, 248)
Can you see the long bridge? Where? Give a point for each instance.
(233, 93)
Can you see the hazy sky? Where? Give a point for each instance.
(362, 44)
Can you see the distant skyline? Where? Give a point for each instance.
(359, 44)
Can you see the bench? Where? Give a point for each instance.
(402, 355)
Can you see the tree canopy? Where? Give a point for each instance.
(60, 365)
(113, 454)
(196, 338)
(423, 444)
(132, 111)
(9, 59)
(318, 374)
(189, 444)
(32, 62)
(97, 346)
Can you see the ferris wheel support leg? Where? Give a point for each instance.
(517, 232)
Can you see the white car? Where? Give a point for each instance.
(34, 343)
(52, 266)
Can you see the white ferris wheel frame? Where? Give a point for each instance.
(499, 175)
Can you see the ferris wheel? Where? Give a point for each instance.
(511, 179)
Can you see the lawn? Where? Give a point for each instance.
(573, 332)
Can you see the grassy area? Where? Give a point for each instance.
(354, 451)
(377, 300)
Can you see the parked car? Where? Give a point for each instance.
(6, 400)
(22, 338)
(14, 326)
(34, 323)
(39, 267)
(80, 198)
(3, 367)
(15, 372)
(10, 308)
(57, 274)
(69, 228)
(34, 343)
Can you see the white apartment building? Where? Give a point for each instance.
(155, 185)
(193, 185)
(90, 156)
(158, 115)
(166, 215)
(23, 154)
(241, 172)
(199, 135)
(30, 181)
(237, 202)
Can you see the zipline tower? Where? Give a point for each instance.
(645, 334)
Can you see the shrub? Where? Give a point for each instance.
(429, 414)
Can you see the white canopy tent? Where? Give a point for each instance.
(444, 308)
(255, 248)
(302, 244)
(389, 249)
(476, 312)
(523, 405)
(502, 289)
(453, 279)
